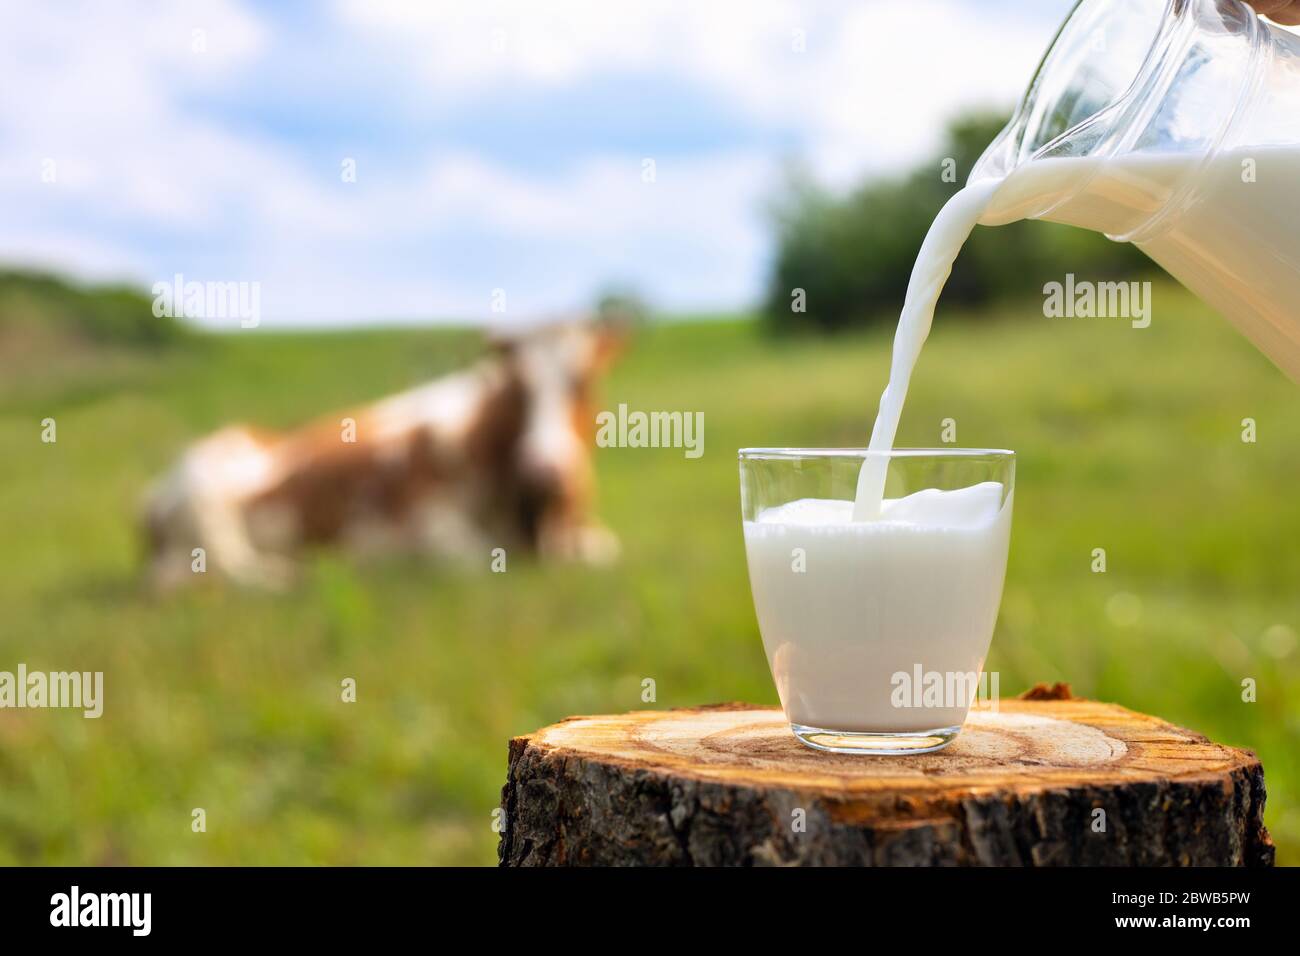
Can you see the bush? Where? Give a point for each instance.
(852, 256)
(106, 315)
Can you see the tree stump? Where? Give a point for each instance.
(1035, 783)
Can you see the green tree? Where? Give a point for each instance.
(852, 256)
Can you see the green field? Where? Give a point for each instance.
(1128, 440)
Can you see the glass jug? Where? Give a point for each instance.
(1175, 125)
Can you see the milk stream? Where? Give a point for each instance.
(1235, 244)
(948, 233)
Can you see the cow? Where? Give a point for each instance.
(498, 455)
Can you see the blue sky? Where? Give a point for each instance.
(497, 145)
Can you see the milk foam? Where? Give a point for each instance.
(970, 507)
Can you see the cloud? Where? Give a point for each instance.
(148, 114)
(98, 132)
(692, 234)
(867, 84)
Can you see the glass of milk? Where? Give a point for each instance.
(876, 630)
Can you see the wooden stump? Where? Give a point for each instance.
(729, 785)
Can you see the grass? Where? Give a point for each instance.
(1128, 440)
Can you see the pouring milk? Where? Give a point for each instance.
(933, 265)
(1180, 132)
(1234, 247)
(914, 582)
(1172, 125)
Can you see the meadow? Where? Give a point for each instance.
(1127, 439)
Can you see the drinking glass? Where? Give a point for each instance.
(876, 631)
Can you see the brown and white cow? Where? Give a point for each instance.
(495, 456)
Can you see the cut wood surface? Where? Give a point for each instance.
(1037, 782)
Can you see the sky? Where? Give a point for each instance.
(490, 162)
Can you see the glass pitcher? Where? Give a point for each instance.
(1175, 125)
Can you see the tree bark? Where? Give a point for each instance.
(1038, 782)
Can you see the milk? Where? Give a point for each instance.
(914, 592)
(1234, 246)
(948, 233)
